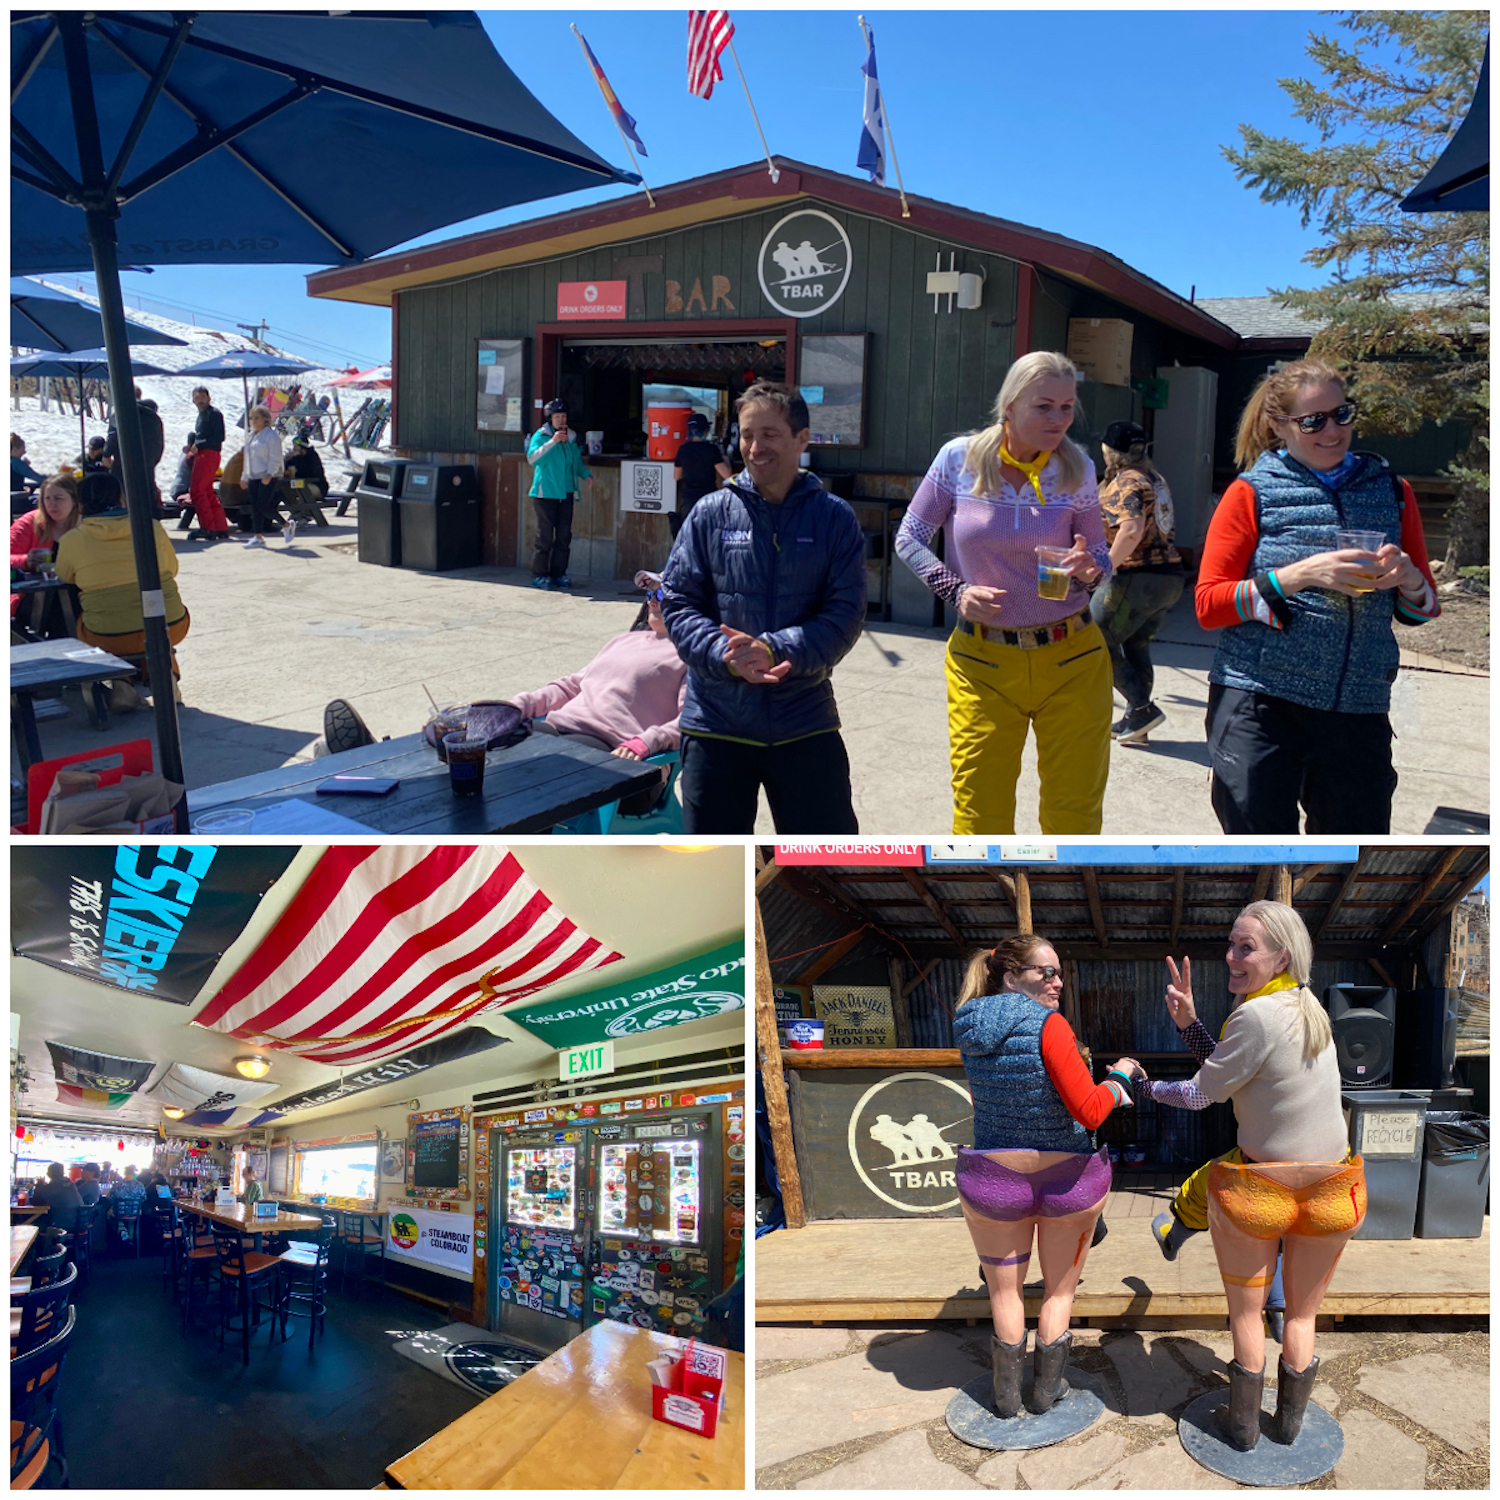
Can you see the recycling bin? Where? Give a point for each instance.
(378, 517)
(439, 517)
(1455, 1175)
(1386, 1129)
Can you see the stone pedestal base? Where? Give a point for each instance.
(972, 1419)
(1268, 1464)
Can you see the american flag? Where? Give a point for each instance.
(709, 32)
(384, 948)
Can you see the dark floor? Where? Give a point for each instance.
(147, 1406)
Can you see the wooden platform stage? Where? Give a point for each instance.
(862, 1270)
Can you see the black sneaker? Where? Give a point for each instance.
(1137, 724)
(343, 729)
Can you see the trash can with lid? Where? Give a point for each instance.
(1455, 1175)
(1385, 1129)
(377, 515)
(439, 525)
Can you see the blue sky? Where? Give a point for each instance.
(1105, 126)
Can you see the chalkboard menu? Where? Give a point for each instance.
(437, 1154)
(435, 1148)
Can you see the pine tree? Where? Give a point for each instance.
(1406, 308)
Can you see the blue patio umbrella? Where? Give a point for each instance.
(41, 317)
(81, 365)
(1459, 181)
(245, 363)
(232, 138)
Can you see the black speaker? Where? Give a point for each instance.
(1426, 1038)
(1364, 1033)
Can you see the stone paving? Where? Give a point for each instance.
(841, 1408)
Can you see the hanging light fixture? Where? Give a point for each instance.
(252, 1067)
(173, 1111)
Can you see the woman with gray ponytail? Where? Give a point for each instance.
(1292, 1176)
(1033, 1170)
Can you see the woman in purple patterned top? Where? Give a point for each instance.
(1019, 660)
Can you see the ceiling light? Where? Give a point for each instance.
(252, 1067)
(172, 1111)
(689, 848)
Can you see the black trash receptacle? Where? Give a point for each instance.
(1455, 1176)
(440, 528)
(1385, 1129)
(378, 517)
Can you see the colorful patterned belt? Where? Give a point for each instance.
(1029, 640)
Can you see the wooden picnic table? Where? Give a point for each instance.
(528, 788)
(49, 607)
(46, 666)
(22, 1238)
(581, 1420)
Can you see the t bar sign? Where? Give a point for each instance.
(587, 1061)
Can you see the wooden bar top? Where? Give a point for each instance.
(28, 1212)
(581, 1420)
(242, 1216)
(871, 1057)
(20, 1242)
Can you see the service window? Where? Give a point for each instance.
(500, 404)
(831, 375)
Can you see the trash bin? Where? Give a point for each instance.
(439, 517)
(378, 518)
(1385, 1128)
(1455, 1175)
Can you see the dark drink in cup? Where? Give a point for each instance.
(465, 759)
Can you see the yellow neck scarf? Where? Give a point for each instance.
(1282, 981)
(1031, 470)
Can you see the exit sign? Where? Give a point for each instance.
(586, 1062)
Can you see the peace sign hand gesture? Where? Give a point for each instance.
(1180, 994)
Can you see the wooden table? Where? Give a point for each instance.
(241, 1216)
(21, 1239)
(528, 788)
(30, 1212)
(581, 1420)
(49, 607)
(48, 666)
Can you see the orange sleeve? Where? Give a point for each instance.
(1414, 545)
(1221, 597)
(1089, 1103)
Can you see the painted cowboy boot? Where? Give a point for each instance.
(1292, 1392)
(1047, 1384)
(1239, 1422)
(1005, 1366)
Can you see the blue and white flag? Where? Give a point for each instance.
(872, 136)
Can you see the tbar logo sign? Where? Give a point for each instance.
(805, 262)
(921, 1160)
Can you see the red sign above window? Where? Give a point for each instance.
(590, 301)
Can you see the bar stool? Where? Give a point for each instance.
(48, 1267)
(200, 1261)
(357, 1244)
(243, 1274)
(35, 1316)
(35, 1432)
(78, 1242)
(172, 1246)
(128, 1224)
(304, 1278)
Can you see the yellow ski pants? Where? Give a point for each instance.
(996, 693)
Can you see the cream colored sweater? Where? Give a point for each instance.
(1286, 1109)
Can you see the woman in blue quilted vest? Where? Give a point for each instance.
(1033, 1170)
(1312, 555)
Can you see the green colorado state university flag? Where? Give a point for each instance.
(688, 990)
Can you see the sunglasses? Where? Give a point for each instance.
(657, 594)
(1316, 421)
(1047, 972)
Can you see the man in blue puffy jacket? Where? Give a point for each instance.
(764, 595)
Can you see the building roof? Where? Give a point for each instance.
(1271, 318)
(747, 189)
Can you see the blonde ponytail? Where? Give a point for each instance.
(988, 967)
(1285, 929)
(982, 459)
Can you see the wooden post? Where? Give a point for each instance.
(898, 1005)
(1283, 885)
(1072, 1001)
(773, 1080)
(1023, 902)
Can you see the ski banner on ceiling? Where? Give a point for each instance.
(152, 918)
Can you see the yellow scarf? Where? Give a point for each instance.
(1031, 470)
(1282, 981)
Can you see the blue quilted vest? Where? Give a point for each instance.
(1338, 653)
(1016, 1108)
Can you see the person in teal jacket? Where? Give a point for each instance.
(558, 465)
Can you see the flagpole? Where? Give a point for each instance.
(885, 116)
(770, 165)
(624, 139)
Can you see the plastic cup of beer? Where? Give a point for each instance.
(453, 719)
(1361, 541)
(1052, 580)
(465, 759)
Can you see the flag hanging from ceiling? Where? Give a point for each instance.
(871, 156)
(97, 1072)
(709, 32)
(385, 948)
(197, 1088)
(72, 1093)
(625, 121)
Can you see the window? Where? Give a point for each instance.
(339, 1171)
(500, 385)
(831, 375)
